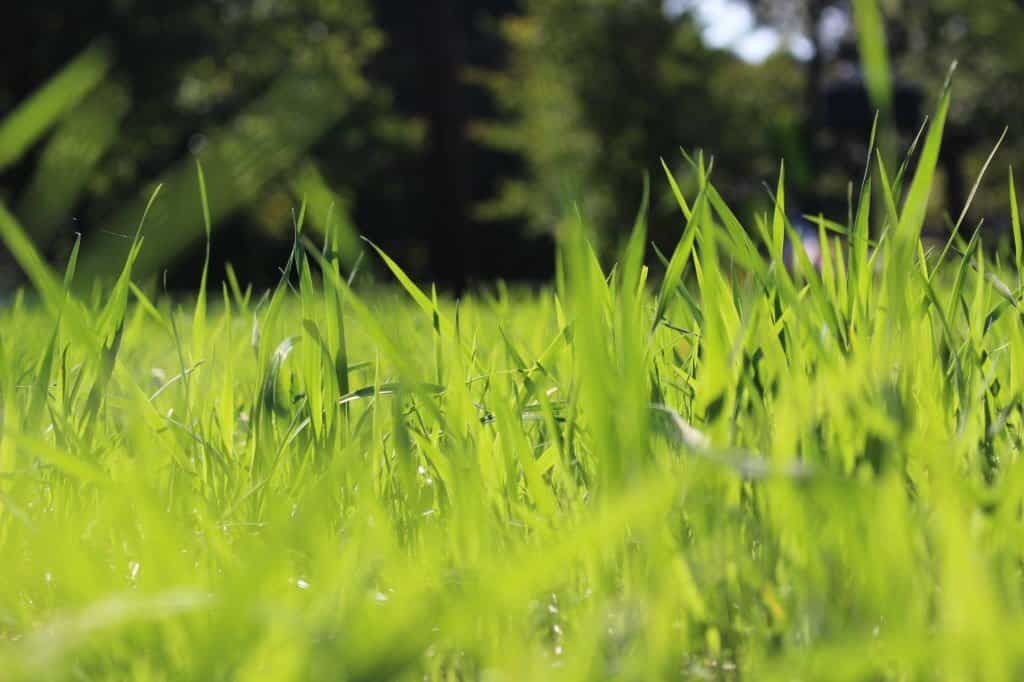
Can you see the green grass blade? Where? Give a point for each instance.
(873, 51)
(21, 128)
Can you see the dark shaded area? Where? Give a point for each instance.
(470, 130)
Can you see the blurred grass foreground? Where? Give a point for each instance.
(701, 464)
(701, 451)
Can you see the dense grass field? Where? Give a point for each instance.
(702, 465)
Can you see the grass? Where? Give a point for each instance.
(738, 471)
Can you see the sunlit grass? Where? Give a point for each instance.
(714, 468)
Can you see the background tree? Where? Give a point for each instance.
(182, 71)
(458, 134)
(924, 38)
(594, 107)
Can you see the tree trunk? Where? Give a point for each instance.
(447, 163)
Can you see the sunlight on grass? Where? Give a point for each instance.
(715, 467)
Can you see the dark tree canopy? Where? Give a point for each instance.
(459, 135)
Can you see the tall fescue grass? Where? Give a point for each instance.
(715, 468)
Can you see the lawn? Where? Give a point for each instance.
(701, 464)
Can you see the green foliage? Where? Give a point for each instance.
(874, 55)
(758, 471)
(289, 101)
(70, 159)
(265, 141)
(260, 92)
(596, 91)
(32, 119)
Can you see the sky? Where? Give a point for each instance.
(731, 24)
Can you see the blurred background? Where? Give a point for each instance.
(457, 134)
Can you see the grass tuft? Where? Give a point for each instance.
(711, 465)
